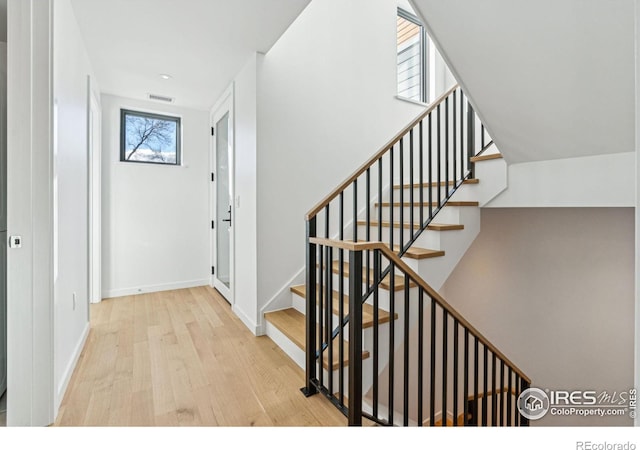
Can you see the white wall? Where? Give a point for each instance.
(246, 222)
(326, 102)
(70, 170)
(553, 289)
(590, 181)
(155, 219)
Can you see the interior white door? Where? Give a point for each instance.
(222, 207)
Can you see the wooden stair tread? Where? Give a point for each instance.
(431, 226)
(435, 184)
(367, 309)
(419, 253)
(292, 323)
(475, 159)
(426, 204)
(438, 422)
(386, 281)
(416, 252)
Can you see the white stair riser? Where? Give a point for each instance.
(406, 193)
(428, 239)
(448, 214)
(383, 301)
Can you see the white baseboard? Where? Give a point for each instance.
(250, 324)
(113, 293)
(282, 299)
(66, 377)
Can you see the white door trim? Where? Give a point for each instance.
(30, 390)
(94, 136)
(223, 105)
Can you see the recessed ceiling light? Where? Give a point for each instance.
(165, 76)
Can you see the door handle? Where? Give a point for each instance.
(229, 219)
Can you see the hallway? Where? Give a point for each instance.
(182, 358)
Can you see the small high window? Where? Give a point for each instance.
(412, 57)
(149, 138)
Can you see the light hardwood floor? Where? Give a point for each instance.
(183, 358)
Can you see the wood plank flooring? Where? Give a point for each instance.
(182, 358)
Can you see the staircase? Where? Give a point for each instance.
(369, 326)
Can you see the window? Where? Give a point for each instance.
(149, 138)
(412, 57)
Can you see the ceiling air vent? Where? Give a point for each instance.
(160, 98)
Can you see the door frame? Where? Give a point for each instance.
(94, 209)
(30, 283)
(223, 105)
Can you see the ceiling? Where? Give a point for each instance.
(551, 79)
(202, 44)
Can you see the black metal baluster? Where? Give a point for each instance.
(430, 151)
(509, 398)
(518, 417)
(376, 333)
(341, 303)
(355, 211)
(439, 159)
(494, 396)
(420, 355)
(485, 373)
(481, 136)
(310, 338)
(328, 296)
(455, 140)
(411, 205)
(324, 337)
(329, 315)
(401, 241)
(392, 313)
(456, 332)
(432, 392)
(355, 338)
(380, 199)
(524, 385)
(502, 393)
(465, 379)
(405, 417)
(421, 161)
(445, 354)
(471, 136)
(391, 181)
(368, 220)
(475, 381)
(446, 148)
(462, 141)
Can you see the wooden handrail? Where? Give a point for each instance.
(392, 257)
(371, 161)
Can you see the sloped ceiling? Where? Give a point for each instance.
(550, 79)
(202, 44)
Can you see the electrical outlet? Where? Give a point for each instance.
(74, 301)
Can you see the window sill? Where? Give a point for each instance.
(415, 102)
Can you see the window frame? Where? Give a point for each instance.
(424, 53)
(150, 115)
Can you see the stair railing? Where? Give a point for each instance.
(451, 367)
(433, 151)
